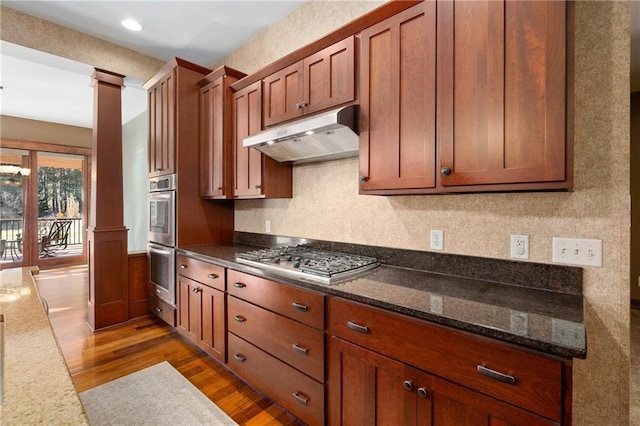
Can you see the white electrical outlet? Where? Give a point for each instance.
(574, 251)
(519, 323)
(437, 306)
(267, 226)
(519, 246)
(437, 239)
(568, 333)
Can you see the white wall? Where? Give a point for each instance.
(134, 178)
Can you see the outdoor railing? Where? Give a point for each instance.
(11, 229)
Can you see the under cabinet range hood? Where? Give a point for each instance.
(326, 136)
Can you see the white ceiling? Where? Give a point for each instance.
(199, 31)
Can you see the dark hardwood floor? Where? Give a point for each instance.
(97, 358)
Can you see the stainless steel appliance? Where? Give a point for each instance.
(162, 236)
(162, 210)
(327, 136)
(306, 262)
(162, 264)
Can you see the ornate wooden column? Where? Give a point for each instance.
(107, 235)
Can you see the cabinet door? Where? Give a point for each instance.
(365, 388)
(283, 95)
(213, 165)
(397, 119)
(329, 77)
(162, 129)
(248, 161)
(443, 403)
(212, 327)
(501, 92)
(189, 308)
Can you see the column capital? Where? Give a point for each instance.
(104, 76)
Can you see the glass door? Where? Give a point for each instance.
(61, 209)
(14, 172)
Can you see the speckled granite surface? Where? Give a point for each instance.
(37, 386)
(535, 317)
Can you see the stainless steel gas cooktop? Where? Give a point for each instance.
(303, 261)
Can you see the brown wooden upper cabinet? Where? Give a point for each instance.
(255, 175)
(216, 133)
(397, 102)
(502, 94)
(321, 81)
(162, 123)
(461, 96)
(173, 98)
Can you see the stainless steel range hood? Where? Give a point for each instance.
(326, 136)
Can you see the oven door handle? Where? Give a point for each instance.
(159, 250)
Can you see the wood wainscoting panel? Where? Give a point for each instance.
(138, 279)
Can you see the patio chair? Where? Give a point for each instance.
(57, 239)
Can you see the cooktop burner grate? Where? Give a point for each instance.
(303, 261)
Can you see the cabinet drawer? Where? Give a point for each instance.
(297, 393)
(301, 305)
(296, 344)
(161, 309)
(484, 365)
(203, 272)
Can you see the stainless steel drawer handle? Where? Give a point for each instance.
(357, 327)
(300, 307)
(183, 266)
(299, 349)
(212, 276)
(240, 357)
(407, 385)
(302, 399)
(501, 377)
(158, 309)
(239, 318)
(196, 290)
(239, 285)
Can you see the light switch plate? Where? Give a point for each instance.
(575, 251)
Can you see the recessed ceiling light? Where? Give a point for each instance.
(131, 24)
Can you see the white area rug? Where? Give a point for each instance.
(157, 395)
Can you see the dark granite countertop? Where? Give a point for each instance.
(535, 317)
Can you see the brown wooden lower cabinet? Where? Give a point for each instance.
(296, 392)
(365, 387)
(201, 316)
(162, 309)
(466, 379)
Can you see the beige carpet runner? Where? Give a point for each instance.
(157, 395)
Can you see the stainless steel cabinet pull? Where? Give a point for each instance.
(239, 318)
(357, 327)
(298, 106)
(423, 393)
(183, 266)
(299, 349)
(239, 285)
(212, 276)
(258, 186)
(364, 178)
(304, 104)
(302, 399)
(158, 309)
(300, 307)
(240, 357)
(407, 385)
(445, 171)
(196, 290)
(501, 377)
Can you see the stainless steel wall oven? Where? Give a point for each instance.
(161, 228)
